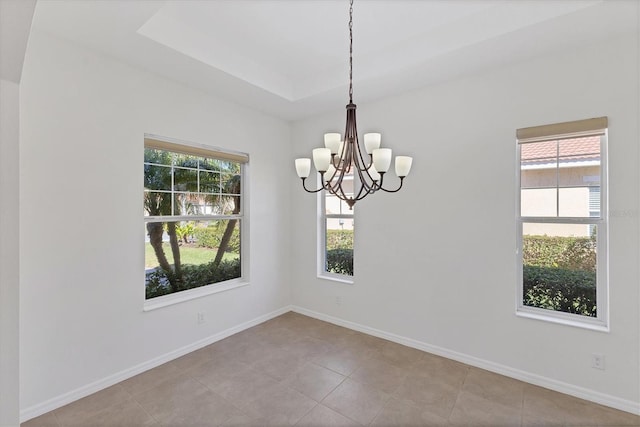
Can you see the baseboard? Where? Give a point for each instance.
(79, 393)
(562, 387)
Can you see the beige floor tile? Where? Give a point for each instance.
(497, 388)
(356, 401)
(186, 402)
(361, 343)
(473, 410)
(321, 416)
(193, 359)
(330, 333)
(234, 344)
(402, 413)
(125, 414)
(279, 364)
(150, 379)
(314, 381)
(380, 374)
(245, 420)
(92, 404)
(543, 405)
(440, 369)
(343, 361)
(547, 405)
(278, 336)
(217, 371)
(244, 387)
(281, 404)
(437, 397)
(47, 420)
(400, 355)
(536, 421)
(307, 348)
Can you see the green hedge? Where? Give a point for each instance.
(558, 289)
(340, 239)
(210, 237)
(559, 273)
(194, 276)
(340, 261)
(572, 253)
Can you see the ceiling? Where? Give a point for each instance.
(290, 57)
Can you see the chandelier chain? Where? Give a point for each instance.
(351, 52)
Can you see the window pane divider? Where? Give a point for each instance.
(562, 220)
(177, 218)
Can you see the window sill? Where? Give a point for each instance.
(190, 294)
(563, 319)
(336, 278)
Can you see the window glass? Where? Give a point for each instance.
(182, 253)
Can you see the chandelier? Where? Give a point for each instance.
(343, 170)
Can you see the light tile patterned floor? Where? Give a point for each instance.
(294, 370)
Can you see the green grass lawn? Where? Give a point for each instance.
(188, 255)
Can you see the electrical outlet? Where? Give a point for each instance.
(338, 300)
(201, 318)
(597, 361)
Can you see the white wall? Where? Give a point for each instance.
(82, 268)
(435, 263)
(9, 273)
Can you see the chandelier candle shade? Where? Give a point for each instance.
(340, 158)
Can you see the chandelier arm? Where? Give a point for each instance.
(397, 189)
(304, 186)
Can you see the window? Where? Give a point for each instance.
(336, 230)
(562, 223)
(193, 215)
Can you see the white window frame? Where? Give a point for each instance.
(322, 241)
(601, 321)
(243, 224)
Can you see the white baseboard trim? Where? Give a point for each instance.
(562, 387)
(73, 395)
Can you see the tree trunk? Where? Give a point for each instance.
(155, 231)
(175, 250)
(228, 232)
(224, 242)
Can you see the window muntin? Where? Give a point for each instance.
(193, 217)
(562, 227)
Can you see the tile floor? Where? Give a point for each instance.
(295, 370)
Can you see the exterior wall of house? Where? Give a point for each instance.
(536, 200)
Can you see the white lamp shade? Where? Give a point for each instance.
(371, 142)
(403, 165)
(332, 142)
(321, 159)
(381, 159)
(303, 167)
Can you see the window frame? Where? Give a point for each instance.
(601, 321)
(201, 150)
(322, 241)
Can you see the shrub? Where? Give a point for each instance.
(572, 253)
(207, 237)
(211, 236)
(340, 239)
(340, 261)
(559, 289)
(194, 276)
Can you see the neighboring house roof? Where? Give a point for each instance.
(582, 149)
